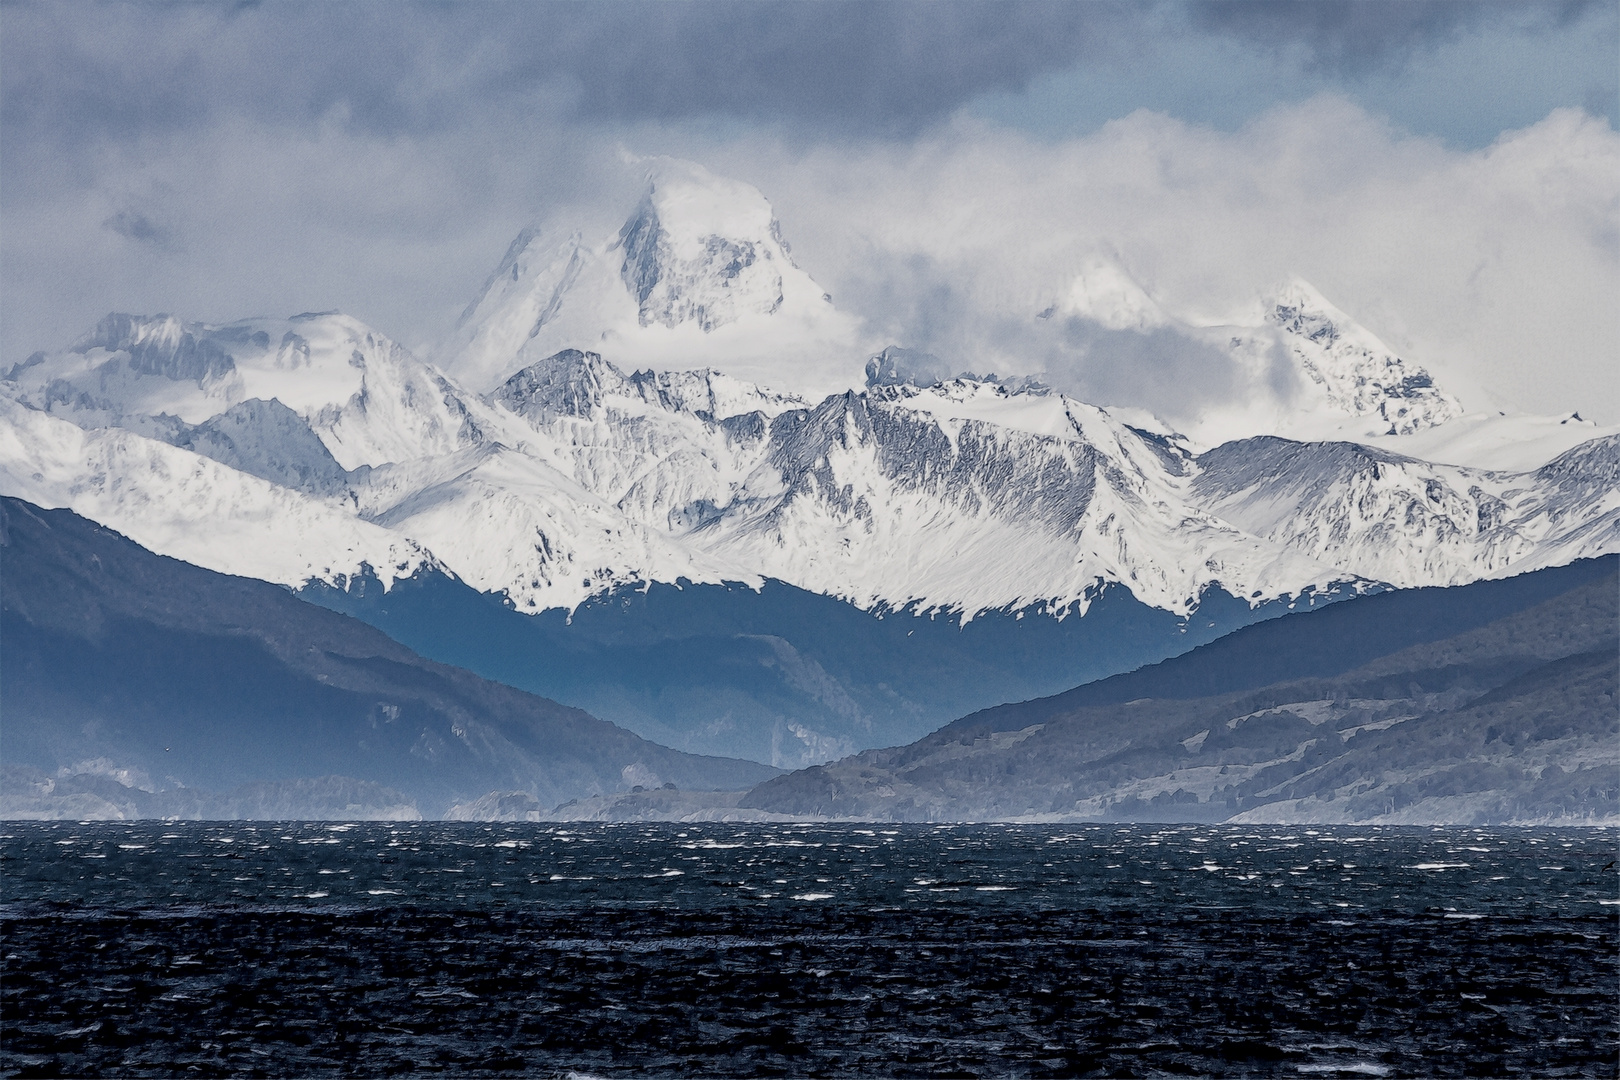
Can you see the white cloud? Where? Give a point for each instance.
(1496, 268)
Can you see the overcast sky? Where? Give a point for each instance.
(1449, 173)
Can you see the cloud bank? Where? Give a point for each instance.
(1495, 267)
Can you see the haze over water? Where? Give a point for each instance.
(152, 948)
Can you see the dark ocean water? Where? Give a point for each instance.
(262, 949)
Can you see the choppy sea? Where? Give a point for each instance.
(303, 949)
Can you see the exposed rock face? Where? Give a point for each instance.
(165, 346)
(680, 272)
(1358, 373)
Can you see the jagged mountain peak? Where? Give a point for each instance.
(697, 275)
(1297, 307)
(1294, 292)
(702, 249)
(1348, 367)
(573, 382)
(692, 204)
(897, 373)
(119, 330)
(569, 382)
(713, 393)
(160, 345)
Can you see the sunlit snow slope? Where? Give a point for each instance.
(190, 507)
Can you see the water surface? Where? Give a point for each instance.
(156, 948)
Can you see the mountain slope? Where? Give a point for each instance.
(1512, 719)
(1407, 522)
(192, 507)
(162, 671)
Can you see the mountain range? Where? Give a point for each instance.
(135, 685)
(732, 569)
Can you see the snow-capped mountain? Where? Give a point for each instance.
(989, 497)
(962, 495)
(367, 399)
(571, 481)
(1395, 519)
(326, 407)
(1103, 292)
(190, 507)
(572, 477)
(507, 521)
(550, 472)
(697, 275)
(1350, 368)
(1354, 388)
(601, 427)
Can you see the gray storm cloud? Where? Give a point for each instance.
(74, 73)
(1350, 37)
(136, 226)
(119, 71)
